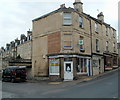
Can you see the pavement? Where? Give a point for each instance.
(46, 80)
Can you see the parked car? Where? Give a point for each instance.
(14, 73)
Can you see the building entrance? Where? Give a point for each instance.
(68, 71)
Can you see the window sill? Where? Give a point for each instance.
(81, 27)
(54, 74)
(67, 24)
(96, 32)
(65, 48)
(82, 50)
(97, 50)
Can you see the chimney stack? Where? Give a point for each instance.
(100, 16)
(78, 6)
(62, 6)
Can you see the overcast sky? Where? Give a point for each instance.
(16, 15)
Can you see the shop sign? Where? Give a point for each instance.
(80, 42)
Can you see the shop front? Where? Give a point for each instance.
(69, 67)
(115, 61)
(108, 61)
(97, 64)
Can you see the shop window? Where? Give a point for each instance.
(82, 65)
(81, 43)
(54, 66)
(96, 27)
(81, 22)
(115, 61)
(67, 18)
(97, 45)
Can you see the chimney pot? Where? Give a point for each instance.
(62, 6)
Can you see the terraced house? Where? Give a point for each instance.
(18, 53)
(68, 43)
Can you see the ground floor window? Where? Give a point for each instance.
(115, 60)
(54, 66)
(82, 65)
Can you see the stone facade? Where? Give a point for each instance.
(70, 35)
(18, 53)
(66, 37)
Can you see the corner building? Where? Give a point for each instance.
(62, 45)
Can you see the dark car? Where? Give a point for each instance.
(14, 73)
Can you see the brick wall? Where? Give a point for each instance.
(54, 44)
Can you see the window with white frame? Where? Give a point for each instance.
(82, 65)
(97, 45)
(96, 27)
(67, 18)
(54, 66)
(81, 22)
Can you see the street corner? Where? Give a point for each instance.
(55, 83)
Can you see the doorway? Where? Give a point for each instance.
(68, 71)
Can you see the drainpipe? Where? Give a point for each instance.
(91, 44)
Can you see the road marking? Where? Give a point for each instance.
(87, 79)
(55, 83)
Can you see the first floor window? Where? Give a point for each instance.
(106, 45)
(97, 45)
(81, 43)
(68, 45)
(114, 49)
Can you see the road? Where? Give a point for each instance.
(102, 87)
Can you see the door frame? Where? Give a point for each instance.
(65, 72)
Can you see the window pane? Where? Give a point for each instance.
(67, 15)
(81, 21)
(67, 22)
(67, 19)
(96, 27)
(68, 44)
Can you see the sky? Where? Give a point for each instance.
(16, 15)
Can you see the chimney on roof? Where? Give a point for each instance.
(12, 44)
(62, 6)
(22, 37)
(7, 46)
(78, 6)
(100, 16)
